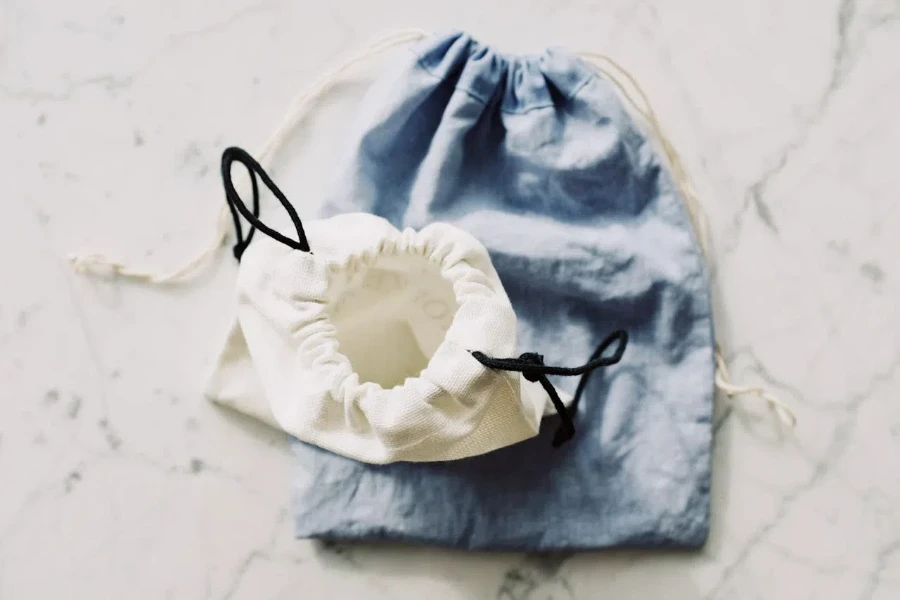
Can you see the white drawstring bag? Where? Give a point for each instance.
(364, 345)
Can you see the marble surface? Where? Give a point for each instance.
(118, 480)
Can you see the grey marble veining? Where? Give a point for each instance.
(119, 480)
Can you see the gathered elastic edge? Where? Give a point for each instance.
(326, 352)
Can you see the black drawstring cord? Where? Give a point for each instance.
(241, 244)
(236, 205)
(532, 367)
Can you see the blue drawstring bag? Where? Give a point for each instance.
(538, 159)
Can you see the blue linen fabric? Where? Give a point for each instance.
(537, 157)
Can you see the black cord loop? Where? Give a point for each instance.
(236, 204)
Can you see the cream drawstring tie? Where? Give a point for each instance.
(100, 265)
(602, 64)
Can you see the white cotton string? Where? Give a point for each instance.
(302, 100)
(723, 381)
(602, 63)
(100, 265)
(645, 109)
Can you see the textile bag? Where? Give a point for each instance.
(537, 158)
(381, 345)
(373, 343)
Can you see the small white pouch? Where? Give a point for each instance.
(361, 338)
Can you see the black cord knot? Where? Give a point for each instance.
(531, 366)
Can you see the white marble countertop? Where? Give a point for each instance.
(118, 480)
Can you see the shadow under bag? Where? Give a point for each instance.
(537, 158)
